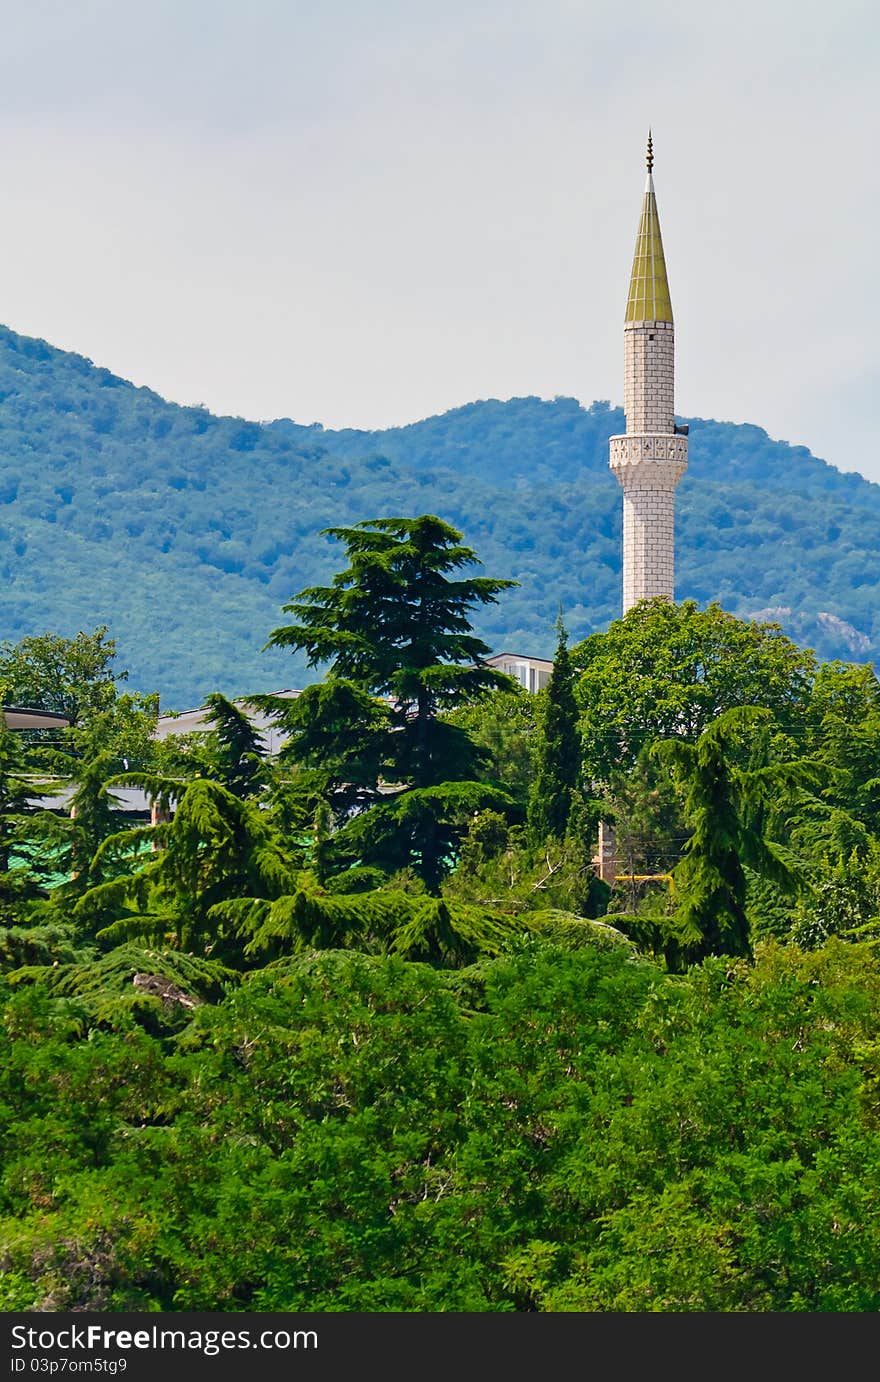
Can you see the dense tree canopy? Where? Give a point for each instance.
(552, 1130)
(357, 1027)
(669, 670)
(74, 677)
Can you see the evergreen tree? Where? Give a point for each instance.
(723, 805)
(216, 846)
(396, 624)
(558, 750)
(15, 789)
(394, 627)
(338, 742)
(239, 747)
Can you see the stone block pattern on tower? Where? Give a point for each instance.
(649, 377)
(648, 468)
(648, 544)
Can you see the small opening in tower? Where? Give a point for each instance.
(650, 335)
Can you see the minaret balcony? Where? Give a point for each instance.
(659, 457)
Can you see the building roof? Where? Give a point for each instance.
(649, 298)
(126, 800)
(21, 717)
(497, 658)
(188, 721)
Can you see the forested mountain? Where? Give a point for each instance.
(186, 532)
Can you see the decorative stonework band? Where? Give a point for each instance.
(654, 454)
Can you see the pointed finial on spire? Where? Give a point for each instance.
(649, 289)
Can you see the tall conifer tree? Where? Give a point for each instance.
(558, 753)
(395, 624)
(724, 805)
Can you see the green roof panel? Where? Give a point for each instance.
(649, 298)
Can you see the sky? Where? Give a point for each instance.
(365, 212)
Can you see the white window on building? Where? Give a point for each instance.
(532, 673)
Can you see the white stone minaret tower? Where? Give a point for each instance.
(651, 458)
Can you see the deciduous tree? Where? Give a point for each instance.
(667, 669)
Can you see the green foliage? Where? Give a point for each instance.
(39, 942)
(845, 903)
(723, 805)
(215, 846)
(71, 839)
(73, 677)
(649, 831)
(420, 928)
(159, 988)
(237, 748)
(16, 789)
(394, 625)
(439, 932)
(420, 828)
(843, 731)
(359, 879)
(124, 731)
(310, 918)
(502, 725)
(668, 669)
(576, 932)
(394, 614)
(554, 1129)
(557, 750)
(772, 911)
(500, 867)
(338, 732)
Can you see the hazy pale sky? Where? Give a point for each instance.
(362, 212)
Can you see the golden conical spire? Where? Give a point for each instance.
(649, 298)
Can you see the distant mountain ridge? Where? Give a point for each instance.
(186, 532)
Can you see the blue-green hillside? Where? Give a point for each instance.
(186, 532)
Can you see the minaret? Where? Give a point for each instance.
(651, 458)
